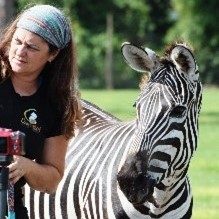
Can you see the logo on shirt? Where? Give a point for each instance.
(31, 116)
(30, 120)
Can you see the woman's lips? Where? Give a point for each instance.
(19, 61)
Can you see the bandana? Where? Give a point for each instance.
(47, 22)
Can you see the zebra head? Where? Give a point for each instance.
(167, 122)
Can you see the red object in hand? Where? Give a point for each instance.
(11, 143)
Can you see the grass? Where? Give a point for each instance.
(204, 168)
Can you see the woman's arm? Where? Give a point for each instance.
(45, 175)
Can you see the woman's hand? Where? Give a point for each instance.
(18, 168)
(45, 174)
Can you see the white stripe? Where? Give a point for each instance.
(46, 206)
(36, 204)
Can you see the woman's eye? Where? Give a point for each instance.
(31, 47)
(178, 112)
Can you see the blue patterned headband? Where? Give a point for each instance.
(48, 22)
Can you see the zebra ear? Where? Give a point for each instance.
(184, 61)
(137, 58)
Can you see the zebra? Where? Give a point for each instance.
(134, 169)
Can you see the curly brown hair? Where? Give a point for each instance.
(61, 76)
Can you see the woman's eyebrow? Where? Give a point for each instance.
(28, 43)
(32, 45)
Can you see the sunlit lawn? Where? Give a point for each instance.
(204, 169)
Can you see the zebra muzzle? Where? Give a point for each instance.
(138, 189)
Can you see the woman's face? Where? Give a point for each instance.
(28, 53)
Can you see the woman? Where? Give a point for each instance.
(38, 96)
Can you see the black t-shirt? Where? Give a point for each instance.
(33, 115)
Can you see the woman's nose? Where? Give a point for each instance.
(21, 50)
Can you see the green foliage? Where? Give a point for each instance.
(93, 43)
(197, 23)
(133, 21)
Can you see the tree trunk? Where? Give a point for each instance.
(7, 9)
(109, 52)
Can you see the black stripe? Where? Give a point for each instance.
(142, 209)
(156, 169)
(97, 199)
(159, 155)
(41, 205)
(52, 206)
(32, 215)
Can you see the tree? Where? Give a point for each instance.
(7, 10)
(109, 52)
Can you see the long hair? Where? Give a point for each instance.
(61, 76)
(6, 37)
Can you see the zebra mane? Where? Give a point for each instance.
(95, 109)
(144, 80)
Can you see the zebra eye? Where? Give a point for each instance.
(134, 104)
(178, 112)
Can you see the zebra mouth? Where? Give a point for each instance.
(141, 197)
(143, 194)
(149, 198)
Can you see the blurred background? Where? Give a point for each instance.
(100, 27)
